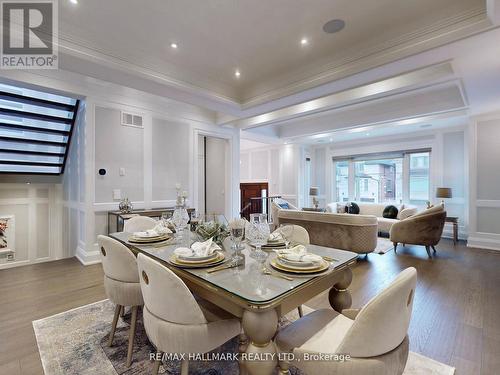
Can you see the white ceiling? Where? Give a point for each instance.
(260, 38)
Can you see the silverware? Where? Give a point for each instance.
(267, 271)
(329, 259)
(222, 267)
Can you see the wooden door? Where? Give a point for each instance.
(248, 191)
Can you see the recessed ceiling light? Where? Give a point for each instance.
(73, 1)
(304, 42)
(174, 45)
(367, 134)
(333, 26)
(237, 73)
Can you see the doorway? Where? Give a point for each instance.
(250, 192)
(212, 162)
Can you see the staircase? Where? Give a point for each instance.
(35, 130)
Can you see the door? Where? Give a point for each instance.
(249, 191)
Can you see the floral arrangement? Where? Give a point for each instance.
(212, 229)
(3, 236)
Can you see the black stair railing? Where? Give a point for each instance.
(35, 130)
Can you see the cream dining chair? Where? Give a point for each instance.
(374, 337)
(121, 282)
(139, 224)
(174, 321)
(299, 236)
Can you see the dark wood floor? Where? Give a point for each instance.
(456, 316)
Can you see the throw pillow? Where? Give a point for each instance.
(390, 212)
(352, 208)
(284, 205)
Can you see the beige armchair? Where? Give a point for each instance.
(424, 228)
(374, 337)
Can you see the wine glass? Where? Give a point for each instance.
(237, 231)
(287, 233)
(165, 218)
(258, 234)
(180, 219)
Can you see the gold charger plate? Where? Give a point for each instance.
(134, 239)
(197, 264)
(302, 270)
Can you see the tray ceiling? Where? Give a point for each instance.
(259, 38)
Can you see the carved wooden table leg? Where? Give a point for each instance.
(339, 297)
(260, 328)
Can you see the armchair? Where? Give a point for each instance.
(424, 228)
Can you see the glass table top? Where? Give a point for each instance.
(246, 281)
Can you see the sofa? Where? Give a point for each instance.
(377, 209)
(424, 229)
(356, 233)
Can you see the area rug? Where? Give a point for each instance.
(384, 245)
(74, 342)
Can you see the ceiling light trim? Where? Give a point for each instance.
(358, 94)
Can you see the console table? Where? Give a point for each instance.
(116, 219)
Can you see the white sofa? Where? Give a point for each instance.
(377, 209)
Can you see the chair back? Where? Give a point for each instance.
(300, 235)
(139, 224)
(382, 324)
(165, 294)
(118, 261)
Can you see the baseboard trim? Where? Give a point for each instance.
(483, 243)
(87, 258)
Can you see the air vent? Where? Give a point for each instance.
(130, 119)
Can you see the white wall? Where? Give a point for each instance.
(281, 166)
(215, 175)
(154, 158)
(37, 222)
(484, 202)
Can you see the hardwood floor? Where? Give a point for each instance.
(455, 317)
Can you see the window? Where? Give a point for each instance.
(342, 180)
(391, 177)
(379, 180)
(419, 178)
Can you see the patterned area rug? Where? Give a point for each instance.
(383, 246)
(75, 342)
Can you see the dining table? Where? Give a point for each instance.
(258, 299)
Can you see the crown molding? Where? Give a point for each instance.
(371, 56)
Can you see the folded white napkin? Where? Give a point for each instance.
(198, 249)
(161, 229)
(146, 233)
(299, 254)
(276, 236)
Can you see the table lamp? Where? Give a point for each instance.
(443, 193)
(314, 192)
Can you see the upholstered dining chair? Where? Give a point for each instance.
(174, 321)
(299, 236)
(375, 337)
(139, 224)
(121, 282)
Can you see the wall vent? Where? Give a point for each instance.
(131, 119)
